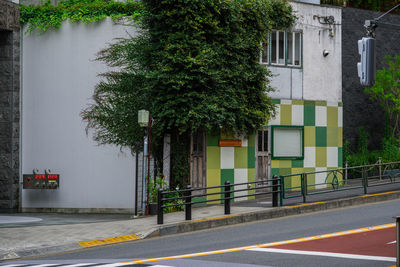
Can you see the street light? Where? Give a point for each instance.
(144, 120)
(143, 117)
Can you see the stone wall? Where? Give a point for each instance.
(9, 16)
(358, 110)
(9, 106)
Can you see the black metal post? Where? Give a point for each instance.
(303, 187)
(397, 241)
(227, 200)
(365, 180)
(188, 205)
(275, 190)
(160, 214)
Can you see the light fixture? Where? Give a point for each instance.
(143, 117)
(325, 53)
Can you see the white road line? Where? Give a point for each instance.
(113, 264)
(80, 264)
(327, 254)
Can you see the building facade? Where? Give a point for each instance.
(306, 133)
(9, 105)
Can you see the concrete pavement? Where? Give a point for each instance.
(30, 234)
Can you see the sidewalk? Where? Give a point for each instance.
(31, 234)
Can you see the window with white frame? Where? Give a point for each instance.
(282, 48)
(287, 142)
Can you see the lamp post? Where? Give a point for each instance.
(144, 121)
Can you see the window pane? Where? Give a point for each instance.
(290, 49)
(260, 139)
(297, 49)
(273, 47)
(264, 53)
(287, 142)
(265, 141)
(281, 48)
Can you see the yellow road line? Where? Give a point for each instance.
(297, 240)
(301, 205)
(111, 240)
(216, 218)
(379, 194)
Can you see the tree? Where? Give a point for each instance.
(387, 92)
(194, 65)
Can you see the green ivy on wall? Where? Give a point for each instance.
(45, 16)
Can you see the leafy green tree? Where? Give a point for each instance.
(194, 64)
(387, 92)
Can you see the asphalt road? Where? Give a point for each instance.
(243, 235)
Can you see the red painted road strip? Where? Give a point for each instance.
(371, 243)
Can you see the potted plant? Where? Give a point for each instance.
(152, 188)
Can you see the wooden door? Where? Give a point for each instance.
(198, 160)
(263, 158)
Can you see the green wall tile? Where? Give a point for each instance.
(286, 114)
(241, 160)
(288, 180)
(340, 104)
(340, 136)
(310, 178)
(227, 175)
(332, 136)
(212, 140)
(251, 140)
(332, 116)
(297, 163)
(213, 157)
(213, 179)
(309, 103)
(320, 156)
(309, 136)
(285, 163)
(320, 136)
(251, 157)
(275, 171)
(309, 115)
(297, 102)
(276, 101)
(251, 175)
(320, 103)
(340, 157)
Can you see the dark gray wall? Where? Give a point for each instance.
(358, 110)
(9, 106)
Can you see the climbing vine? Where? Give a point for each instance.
(46, 16)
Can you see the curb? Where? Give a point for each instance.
(202, 224)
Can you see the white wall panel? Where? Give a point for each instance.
(58, 78)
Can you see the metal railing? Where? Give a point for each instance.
(348, 178)
(284, 187)
(248, 189)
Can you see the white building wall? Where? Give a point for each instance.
(58, 78)
(320, 78)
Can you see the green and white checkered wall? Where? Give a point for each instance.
(323, 126)
(233, 164)
(323, 133)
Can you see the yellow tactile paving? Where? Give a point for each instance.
(111, 240)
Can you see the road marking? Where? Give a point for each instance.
(111, 240)
(216, 218)
(326, 254)
(302, 205)
(291, 241)
(379, 194)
